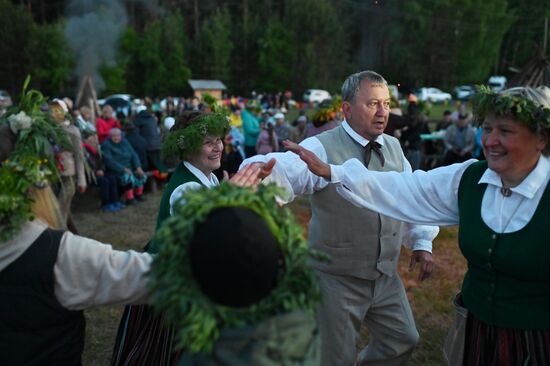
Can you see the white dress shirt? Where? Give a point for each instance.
(86, 272)
(292, 174)
(208, 181)
(432, 197)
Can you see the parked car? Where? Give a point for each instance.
(464, 92)
(433, 95)
(316, 96)
(5, 99)
(497, 83)
(122, 103)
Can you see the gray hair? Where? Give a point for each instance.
(540, 96)
(115, 130)
(353, 82)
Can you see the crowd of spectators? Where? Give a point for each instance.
(121, 152)
(429, 143)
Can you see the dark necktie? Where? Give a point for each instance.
(373, 145)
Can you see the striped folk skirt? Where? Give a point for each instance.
(143, 338)
(488, 345)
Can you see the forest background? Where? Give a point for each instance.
(153, 47)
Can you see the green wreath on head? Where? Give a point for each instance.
(486, 101)
(197, 320)
(185, 142)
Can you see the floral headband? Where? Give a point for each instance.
(326, 115)
(183, 143)
(513, 103)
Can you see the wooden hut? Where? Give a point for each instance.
(212, 87)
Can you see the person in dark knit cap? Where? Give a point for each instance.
(232, 276)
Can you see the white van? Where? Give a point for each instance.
(316, 96)
(497, 83)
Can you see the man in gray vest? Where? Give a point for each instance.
(359, 283)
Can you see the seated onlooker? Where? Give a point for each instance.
(122, 161)
(459, 140)
(108, 187)
(146, 125)
(83, 120)
(445, 122)
(267, 139)
(105, 123)
(138, 142)
(411, 141)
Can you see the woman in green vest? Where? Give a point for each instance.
(196, 140)
(502, 206)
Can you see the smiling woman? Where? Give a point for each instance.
(196, 139)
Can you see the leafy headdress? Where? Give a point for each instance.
(31, 163)
(325, 115)
(530, 106)
(181, 296)
(186, 136)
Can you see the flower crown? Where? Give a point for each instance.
(183, 143)
(519, 107)
(325, 115)
(31, 164)
(198, 321)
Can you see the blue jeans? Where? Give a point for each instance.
(108, 189)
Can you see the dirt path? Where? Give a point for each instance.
(132, 227)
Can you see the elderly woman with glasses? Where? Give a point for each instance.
(502, 206)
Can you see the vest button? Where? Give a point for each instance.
(490, 250)
(494, 236)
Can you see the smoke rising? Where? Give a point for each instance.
(92, 31)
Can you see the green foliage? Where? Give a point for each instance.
(198, 321)
(526, 33)
(288, 44)
(275, 55)
(447, 43)
(31, 164)
(153, 61)
(174, 80)
(114, 78)
(214, 46)
(16, 39)
(52, 60)
(482, 29)
(321, 42)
